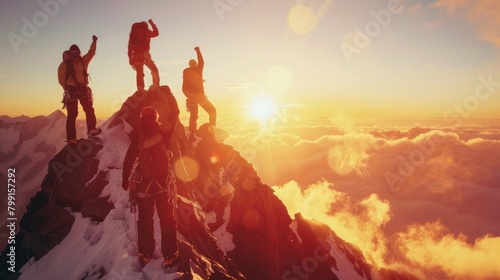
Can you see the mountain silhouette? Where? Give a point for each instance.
(230, 224)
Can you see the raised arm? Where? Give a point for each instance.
(201, 62)
(90, 54)
(155, 31)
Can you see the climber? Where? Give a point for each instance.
(138, 53)
(74, 79)
(148, 175)
(192, 87)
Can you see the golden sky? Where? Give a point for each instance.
(360, 59)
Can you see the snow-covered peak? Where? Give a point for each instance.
(230, 224)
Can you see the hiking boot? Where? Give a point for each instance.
(144, 259)
(94, 132)
(72, 141)
(170, 265)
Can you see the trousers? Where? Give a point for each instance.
(72, 110)
(192, 105)
(140, 61)
(145, 225)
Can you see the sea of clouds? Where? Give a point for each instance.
(420, 196)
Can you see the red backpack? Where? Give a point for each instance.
(139, 44)
(154, 157)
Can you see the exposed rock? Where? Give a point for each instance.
(70, 172)
(259, 222)
(46, 222)
(315, 250)
(191, 225)
(192, 262)
(44, 225)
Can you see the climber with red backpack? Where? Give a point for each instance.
(74, 79)
(148, 175)
(138, 53)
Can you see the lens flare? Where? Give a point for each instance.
(262, 108)
(302, 19)
(186, 169)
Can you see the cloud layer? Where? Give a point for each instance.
(402, 193)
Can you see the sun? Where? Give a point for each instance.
(262, 108)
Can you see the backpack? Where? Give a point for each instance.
(192, 81)
(154, 157)
(70, 70)
(139, 44)
(81, 92)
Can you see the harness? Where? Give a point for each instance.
(80, 90)
(151, 188)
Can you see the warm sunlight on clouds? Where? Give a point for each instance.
(351, 156)
(382, 182)
(432, 248)
(427, 250)
(357, 222)
(451, 5)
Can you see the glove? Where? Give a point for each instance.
(94, 38)
(125, 184)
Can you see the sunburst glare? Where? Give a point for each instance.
(262, 108)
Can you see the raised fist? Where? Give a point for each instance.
(197, 49)
(94, 38)
(151, 22)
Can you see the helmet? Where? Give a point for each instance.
(74, 47)
(192, 63)
(74, 51)
(149, 111)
